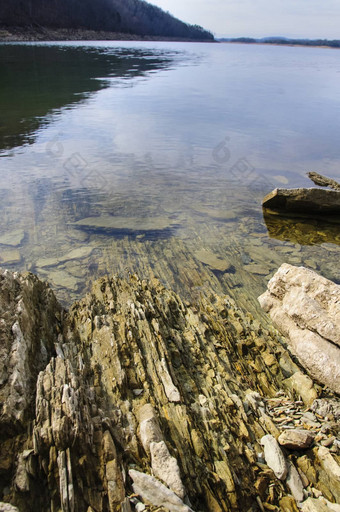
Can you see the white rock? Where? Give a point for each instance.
(156, 493)
(148, 427)
(165, 467)
(319, 505)
(328, 463)
(306, 309)
(169, 387)
(274, 456)
(294, 483)
(7, 507)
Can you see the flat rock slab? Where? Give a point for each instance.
(126, 223)
(308, 201)
(213, 261)
(13, 239)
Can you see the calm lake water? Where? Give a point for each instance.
(154, 157)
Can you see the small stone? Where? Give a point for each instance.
(274, 456)
(287, 504)
(152, 490)
(7, 507)
(294, 483)
(296, 439)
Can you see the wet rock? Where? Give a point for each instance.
(296, 439)
(10, 257)
(154, 492)
(13, 238)
(305, 307)
(274, 456)
(210, 259)
(306, 201)
(135, 224)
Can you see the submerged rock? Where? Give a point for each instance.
(134, 392)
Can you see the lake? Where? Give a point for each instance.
(153, 157)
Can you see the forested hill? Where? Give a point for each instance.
(125, 16)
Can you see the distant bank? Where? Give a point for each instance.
(334, 43)
(28, 20)
(27, 34)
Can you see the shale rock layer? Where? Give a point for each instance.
(135, 400)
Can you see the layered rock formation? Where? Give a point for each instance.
(306, 309)
(135, 400)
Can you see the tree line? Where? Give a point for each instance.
(129, 16)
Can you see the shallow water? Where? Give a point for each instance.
(154, 157)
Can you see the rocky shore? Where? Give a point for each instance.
(38, 33)
(136, 400)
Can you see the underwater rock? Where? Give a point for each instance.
(306, 309)
(213, 261)
(13, 238)
(135, 224)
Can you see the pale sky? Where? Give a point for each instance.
(260, 18)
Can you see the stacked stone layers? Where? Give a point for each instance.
(135, 399)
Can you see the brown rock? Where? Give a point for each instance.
(296, 439)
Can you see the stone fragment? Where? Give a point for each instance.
(149, 427)
(303, 386)
(319, 505)
(306, 309)
(288, 504)
(294, 483)
(115, 485)
(296, 439)
(274, 456)
(170, 389)
(327, 407)
(156, 493)
(329, 464)
(165, 468)
(7, 507)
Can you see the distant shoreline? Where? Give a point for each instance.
(23, 34)
(285, 43)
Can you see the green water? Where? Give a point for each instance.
(154, 158)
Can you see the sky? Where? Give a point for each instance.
(260, 18)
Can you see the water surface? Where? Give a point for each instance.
(154, 157)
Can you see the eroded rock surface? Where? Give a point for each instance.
(306, 309)
(139, 401)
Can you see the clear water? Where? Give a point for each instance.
(154, 158)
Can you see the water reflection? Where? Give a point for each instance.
(39, 80)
